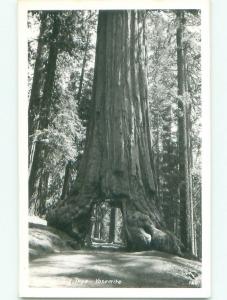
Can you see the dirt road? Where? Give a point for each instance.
(113, 269)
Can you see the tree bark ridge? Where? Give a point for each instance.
(118, 160)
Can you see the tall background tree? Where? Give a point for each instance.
(175, 88)
(56, 130)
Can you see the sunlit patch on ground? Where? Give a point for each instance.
(119, 269)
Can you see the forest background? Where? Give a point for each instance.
(61, 62)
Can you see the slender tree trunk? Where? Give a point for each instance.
(42, 193)
(79, 93)
(34, 102)
(190, 164)
(186, 205)
(97, 223)
(191, 201)
(181, 136)
(44, 110)
(67, 178)
(103, 226)
(157, 161)
(112, 225)
(167, 167)
(118, 160)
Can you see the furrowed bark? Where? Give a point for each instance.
(118, 160)
(44, 109)
(185, 192)
(34, 102)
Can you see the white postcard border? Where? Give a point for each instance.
(24, 290)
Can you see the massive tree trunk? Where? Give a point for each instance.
(118, 161)
(44, 109)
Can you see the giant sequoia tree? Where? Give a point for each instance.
(118, 160)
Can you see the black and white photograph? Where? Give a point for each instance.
(114, 150)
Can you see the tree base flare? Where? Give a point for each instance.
(140, 231)
(143, 234)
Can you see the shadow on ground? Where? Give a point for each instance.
(92, 268)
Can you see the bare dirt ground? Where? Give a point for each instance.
(55, 263)
(97, 268)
